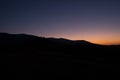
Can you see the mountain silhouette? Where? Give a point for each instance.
(59, 45)
(13, 39)
(32, 57)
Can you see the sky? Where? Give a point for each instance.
(97, 21)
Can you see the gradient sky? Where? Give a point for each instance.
(97, 21)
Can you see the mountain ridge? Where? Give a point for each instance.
(5, 35)
(28, 54)
(20, 41)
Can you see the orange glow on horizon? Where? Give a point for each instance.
(97, 40)
(102, 41)
(107, 42)
(103, 37)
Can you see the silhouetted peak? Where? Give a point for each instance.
(82, 42)
(17, 38)
(29, 37)
(25, 35)
(2, 34)
(64, 39)
(18, 35)
(59, 39)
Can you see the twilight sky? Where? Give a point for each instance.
(97, 21)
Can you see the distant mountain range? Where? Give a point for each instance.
(20, 41)
(12, 39)
(34, 57)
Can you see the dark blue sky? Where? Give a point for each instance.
(97, 21)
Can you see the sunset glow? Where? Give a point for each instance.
(97, 21)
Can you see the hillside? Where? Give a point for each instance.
(29, 57)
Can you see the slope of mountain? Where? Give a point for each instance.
(31, 57)
(24, 39)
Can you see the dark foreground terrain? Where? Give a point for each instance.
(27, 57)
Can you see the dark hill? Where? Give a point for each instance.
(24, 38)
(20, 41)
(28, 57)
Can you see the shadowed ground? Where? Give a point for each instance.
(27, 57)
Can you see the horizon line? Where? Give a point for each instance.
(106, 44)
